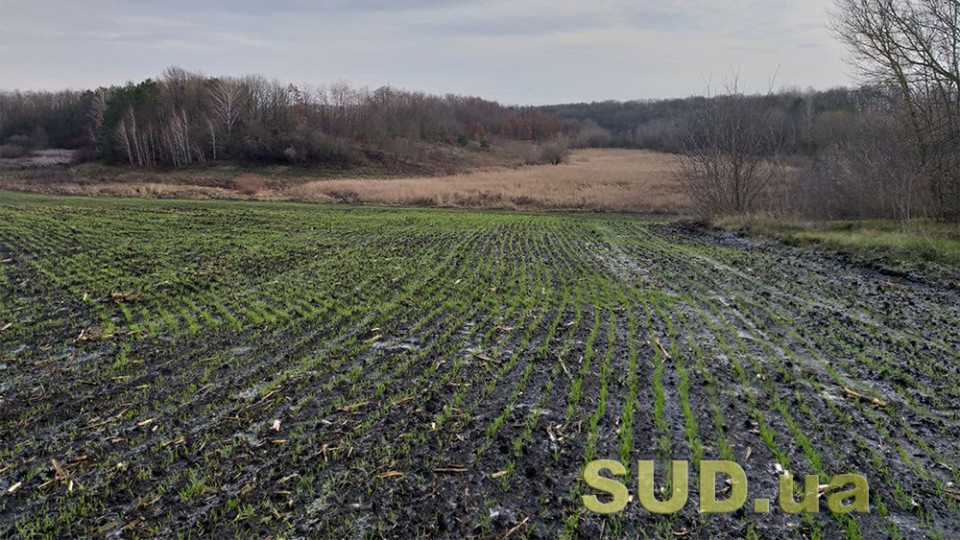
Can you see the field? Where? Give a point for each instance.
(232, 369)
(592, 179)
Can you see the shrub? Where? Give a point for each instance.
(249, 184)
(592, 136)
(85, 153)
(10, 151)
(554, 152)
(730, 154)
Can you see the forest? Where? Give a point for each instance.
(184, 118)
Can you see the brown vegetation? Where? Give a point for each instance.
(589, 179)
(249, 184)
(49, 171)
(730, 160)
(910, 49)
(126, 189)
(594, 179)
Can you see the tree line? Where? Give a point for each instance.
(660, 124)
(184, 118)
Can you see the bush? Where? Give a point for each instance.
(592, 136)
(871, 171)
(249, 184)
(10, 151)
(462, 140)
(730, 161)
(85, 153)
(554, 152)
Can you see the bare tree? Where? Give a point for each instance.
(228, 98)
(97, 107)
(730, 150)
(913, 47)
(862, 169)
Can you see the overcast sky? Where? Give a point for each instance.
(515, 51)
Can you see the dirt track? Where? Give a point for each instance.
(287, 370)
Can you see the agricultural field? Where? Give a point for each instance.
(224, 369)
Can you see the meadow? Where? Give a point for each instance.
(591, 179)
(175, 368)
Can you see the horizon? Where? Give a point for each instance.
(532, 53)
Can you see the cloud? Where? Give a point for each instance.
(520, 51)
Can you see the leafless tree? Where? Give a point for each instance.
(730, 151)
(913, 47)
(862, 170)
(228, 99)
(97, 107)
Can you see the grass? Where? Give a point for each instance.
(592, 179)
(909, 243)
(49, 172)
(240, 369)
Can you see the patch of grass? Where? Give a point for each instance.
(910, 243)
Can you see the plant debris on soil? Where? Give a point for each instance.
(233, 369)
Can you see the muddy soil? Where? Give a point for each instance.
(284, 371)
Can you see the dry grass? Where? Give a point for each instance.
(153, 190)
(18, 158)
(249, 184)
(594, 179)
